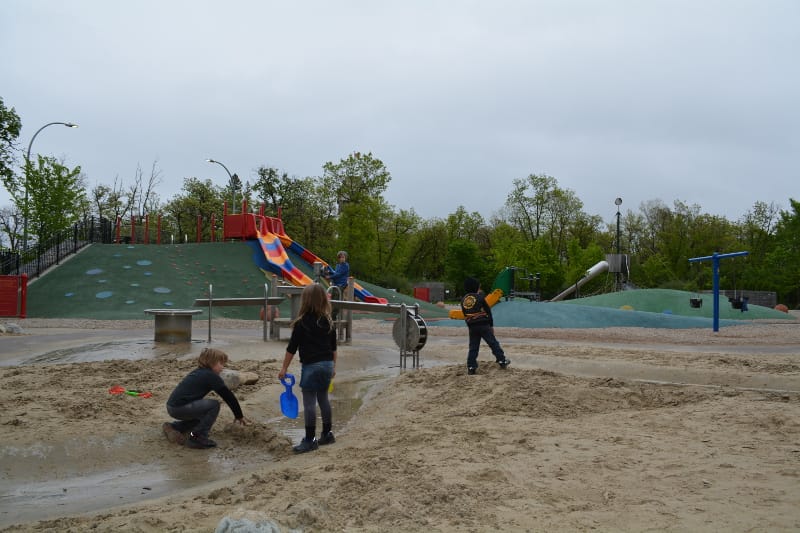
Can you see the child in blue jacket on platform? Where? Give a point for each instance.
(339, 277)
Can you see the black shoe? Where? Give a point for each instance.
(199, 442)
(172, 434)
(306, 445)
(471, 370)
(504, 363)
(326, 438)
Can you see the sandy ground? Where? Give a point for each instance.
(621, 429)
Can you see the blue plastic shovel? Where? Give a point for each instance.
(288, 399)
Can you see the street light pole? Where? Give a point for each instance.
(233, 185)
(618, 202)
(27, 172)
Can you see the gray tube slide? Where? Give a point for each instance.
(600, 267)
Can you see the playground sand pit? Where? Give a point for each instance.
(609, 429)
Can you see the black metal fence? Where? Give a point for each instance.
(44, 254)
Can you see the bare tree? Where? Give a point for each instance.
(138, 199)
(143, 197)
(11, 226)
(110, 202)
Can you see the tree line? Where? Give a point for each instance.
(542, 227)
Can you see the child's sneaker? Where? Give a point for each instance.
(326, 438)
(471, 370)
(504, 363)
(172, 434)
(199, 442)
(306, 445)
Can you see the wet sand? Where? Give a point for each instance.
(612, 429)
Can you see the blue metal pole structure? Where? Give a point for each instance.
(715, 277)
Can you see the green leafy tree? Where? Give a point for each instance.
(10, 126)
(463, 225)
(564, 209)
(56, 197)
(357, 178)
(756, 235)
(655, 271)
(357, 234)
(631, 232)
(426, 251)
(393, 231)
(510, 247)
(538, 208)
(359, 182)
(784, 258)
(546, 261)
(706, 234)
(664, 250)
(234, 189)
(528, 202)
(463, 260)
(271, 187)
(582, 260)
(198, 198)
(306, 206)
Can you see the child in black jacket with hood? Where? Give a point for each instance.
(194, 412)
(478, 316)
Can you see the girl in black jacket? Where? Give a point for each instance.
(314, 335)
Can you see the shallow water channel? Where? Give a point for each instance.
(46, 481)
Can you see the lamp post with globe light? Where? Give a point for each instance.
(27, 173)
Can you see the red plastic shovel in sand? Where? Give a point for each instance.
(289, 406)
(118, 389)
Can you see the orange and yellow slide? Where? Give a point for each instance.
(278, 260)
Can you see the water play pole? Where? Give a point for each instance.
(715, 270)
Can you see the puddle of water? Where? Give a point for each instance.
(25, 502)
(346, 399)
(46, 480)
(105, 351)
(40, 482)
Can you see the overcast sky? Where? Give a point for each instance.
(695, 100)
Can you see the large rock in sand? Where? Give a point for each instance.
(233, 378)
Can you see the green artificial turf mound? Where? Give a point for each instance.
(118, 282)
